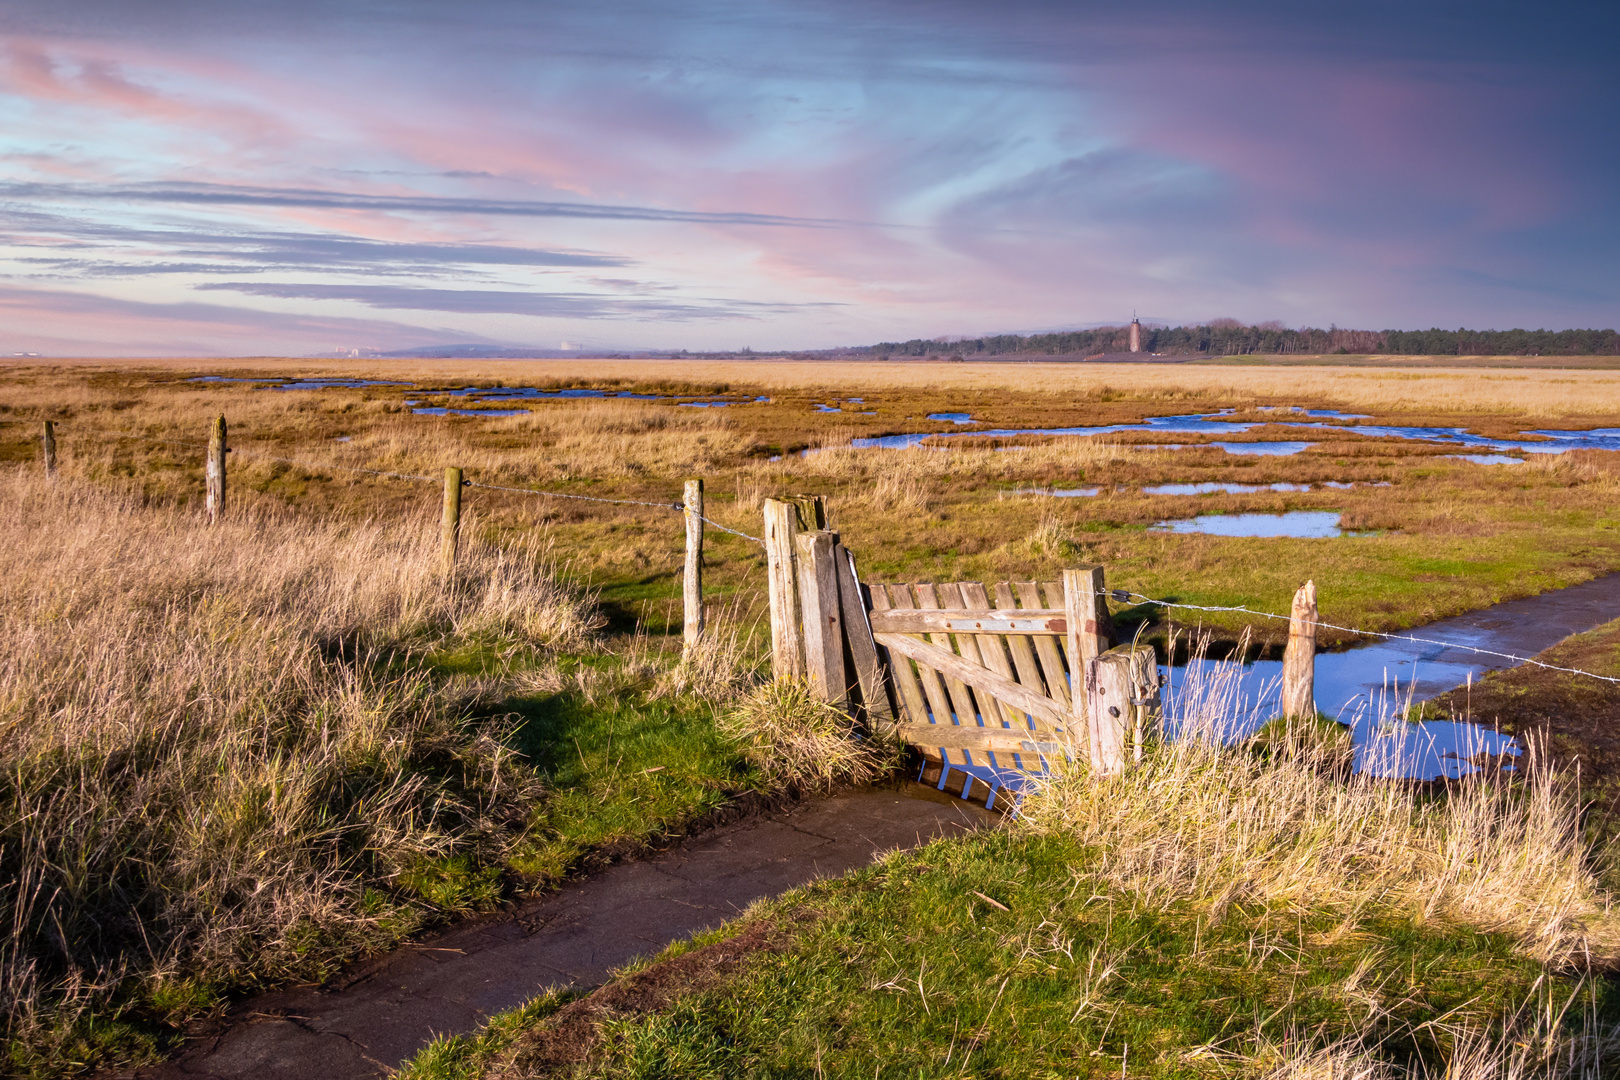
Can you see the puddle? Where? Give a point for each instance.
(1359, 685)
(1210, 488)
(1267, 449)
(439, 411)
(953, 417)
(1060, 493)
(1302, 524)
(1486, 459)
(343, 438)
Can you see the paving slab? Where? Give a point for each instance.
(385, 1011)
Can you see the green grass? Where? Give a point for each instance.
(620, 772)
(904, 972)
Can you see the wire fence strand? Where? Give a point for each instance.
(262, 455)
(1123, 595)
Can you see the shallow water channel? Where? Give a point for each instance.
(1551, 441)
(1369, 687)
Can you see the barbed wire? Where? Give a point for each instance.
(250, 452)
(1124, 596)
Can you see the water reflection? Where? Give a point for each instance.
(1211, 487)
(1302, 524)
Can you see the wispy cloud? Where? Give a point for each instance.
(299, 198)
(509, 302)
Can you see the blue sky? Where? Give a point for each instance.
(230, 178)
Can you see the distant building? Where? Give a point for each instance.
(1136, 335)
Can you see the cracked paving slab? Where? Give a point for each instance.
(388, 1009)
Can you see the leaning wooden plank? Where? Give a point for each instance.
(1039, 706)
(997, 621)
(1005, 740)
(962, 704)
(862, 649)
(1056, 675)
(992, 650)
(939, 703)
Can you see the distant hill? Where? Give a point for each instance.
(1230, 338)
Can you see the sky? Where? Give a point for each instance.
(180, 177)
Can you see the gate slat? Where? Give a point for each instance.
(1057, 680)
(1029, 672)
(993, 653)
(913, 707)
(1071, 676)
(961, 698)
(1056, 718)
(933, 687)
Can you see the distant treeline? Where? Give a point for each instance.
(1225, 337)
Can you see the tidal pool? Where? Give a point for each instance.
(1303, 524)
(1210, 488)
(1486, 459)
(953, 417)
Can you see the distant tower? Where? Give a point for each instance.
(1136, 334)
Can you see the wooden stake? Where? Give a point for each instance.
(692, 581)
(450, 525)
(1299, 658)
(823, 621)
(214, 470)
(781, 559)
(47, 449)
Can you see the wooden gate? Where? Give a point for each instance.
(982, 684)
(998, 679)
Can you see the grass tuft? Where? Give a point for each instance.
(803, 744)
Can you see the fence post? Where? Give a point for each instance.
(692, 581)
(450, 525)
(1090, 632)
(823, 621)
(1123, 686)
(1299, 658)
(781, 558)
(214, 470)
(47, 449)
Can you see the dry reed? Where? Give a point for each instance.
(800, 743)
(209, 758)
(1214, 824)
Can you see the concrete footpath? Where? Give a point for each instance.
(382, 1012)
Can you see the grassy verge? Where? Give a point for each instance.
(243, 754)
(1211, 912)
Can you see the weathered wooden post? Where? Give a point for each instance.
(823, 619)
(692, 580)
(450, 524)
(47, 449)
(214, 470)
(1090, 632)
(787, 647)
(1123, 687)
(1299, 657)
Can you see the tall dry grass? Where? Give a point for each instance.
(210, 751)
(1201, 821)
